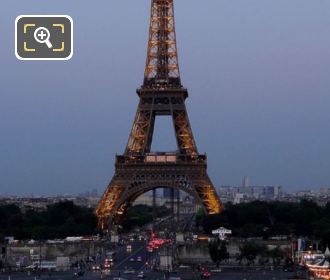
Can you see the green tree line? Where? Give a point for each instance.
(140, 215)
(64, 219)
(59, 220)
(265, 219)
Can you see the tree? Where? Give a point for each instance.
(218, 251)
(276, 255)
(140, 215)
(249, 251)
(265, 219)
(59, 220)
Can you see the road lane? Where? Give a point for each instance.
(138, 249)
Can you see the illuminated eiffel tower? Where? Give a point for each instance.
(138, 170)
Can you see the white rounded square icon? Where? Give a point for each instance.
(44, 37)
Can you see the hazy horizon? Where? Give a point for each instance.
(257, 73)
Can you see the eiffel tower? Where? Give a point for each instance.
(139, 170)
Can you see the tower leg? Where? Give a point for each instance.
(178, 206)
(154, 204)
(172, 208)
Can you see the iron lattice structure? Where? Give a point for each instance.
(162, 60)
(139, 170)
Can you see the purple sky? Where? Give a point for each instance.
(257, 72)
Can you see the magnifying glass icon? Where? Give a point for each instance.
(42, 35)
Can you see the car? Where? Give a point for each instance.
(132, 259)
(129, 271)
(107, 265)
(141, 275)
(206, 275)
(96, 267)
(288, 268)
(139, 259)
(106, 271)
(110, 254)
(79, 273)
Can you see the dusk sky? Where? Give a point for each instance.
(257, 71)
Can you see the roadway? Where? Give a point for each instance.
(184, 275)
(139, 259)
(125, 260)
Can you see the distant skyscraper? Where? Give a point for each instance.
(245, 182)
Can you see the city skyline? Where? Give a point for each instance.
(258, 94)
(93, 192)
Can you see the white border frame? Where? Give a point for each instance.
(65, 58)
